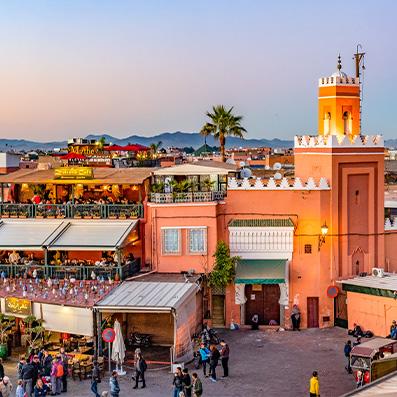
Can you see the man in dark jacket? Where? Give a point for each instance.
(28, 374)
(347, 350)
(187, 382)
(65, 364)
(225, 351)
(96, 378)
(46, 363)
(140, 368)
(214, 358)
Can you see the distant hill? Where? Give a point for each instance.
(168, 139)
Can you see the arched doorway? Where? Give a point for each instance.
(347, 123)
(358, 262)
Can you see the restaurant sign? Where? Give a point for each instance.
(18, 306)
(73, 173)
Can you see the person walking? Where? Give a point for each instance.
(140, 368)
(314, 385)
(347, 350)
(53, 375)
(114, 385)
(214, 358)
(205, 357)
(187, 383)
(5, 387)
(393, 330)
(21, 363)
(177, 382)
(197, 386)
(95, 379)
(225, 351)
(59, 374)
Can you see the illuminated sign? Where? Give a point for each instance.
(18, 306)
(87, 150)
(74, 173)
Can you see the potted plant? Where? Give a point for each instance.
(34, 332)
(6, 323)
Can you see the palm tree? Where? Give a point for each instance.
(101, 142)
(154, 147)
(223, 123)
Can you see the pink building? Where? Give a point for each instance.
(276, 228)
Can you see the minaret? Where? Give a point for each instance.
(339, 104)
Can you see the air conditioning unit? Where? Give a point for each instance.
(378, 272)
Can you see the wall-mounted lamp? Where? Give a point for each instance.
(321, 238)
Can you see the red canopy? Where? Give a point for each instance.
(127, 148)
(73, 156)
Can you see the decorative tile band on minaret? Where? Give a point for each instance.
(338, 141)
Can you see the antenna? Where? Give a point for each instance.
(359, 61)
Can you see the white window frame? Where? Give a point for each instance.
(188, 246)
(163, 245)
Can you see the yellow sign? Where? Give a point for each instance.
(18, 306)
(87, 150)
(74, 173)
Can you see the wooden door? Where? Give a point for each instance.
(262, 300)
(312, 312)
(254, 304)
(341, 309)
(271, 307)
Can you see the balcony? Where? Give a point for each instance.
(89, 211)
(69, 271)
(187, 197)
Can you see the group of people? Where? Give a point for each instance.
(186, 385)
(38, 372)
(210, 357)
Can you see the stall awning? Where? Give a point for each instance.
(27, 234)
(141, 296)
(92, 235)
(256, 271)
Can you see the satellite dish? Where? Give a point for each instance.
(230, 161)
(277, 166)
(242, 163)
(249, 159)
(267, 167)
(277, 176)
(246, 173)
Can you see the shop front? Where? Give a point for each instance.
(163, 312)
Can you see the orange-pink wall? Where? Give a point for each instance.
(391, 251)
(374, 313)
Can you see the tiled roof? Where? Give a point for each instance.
(270, 222)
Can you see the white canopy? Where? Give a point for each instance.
(192, 169)
(27, 234)
(92, 235)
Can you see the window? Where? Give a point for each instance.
(308, 248)
(171, 241)
(197, 241)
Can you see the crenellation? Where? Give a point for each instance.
(272, 184)
(341, 141)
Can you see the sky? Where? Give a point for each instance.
(70, 68)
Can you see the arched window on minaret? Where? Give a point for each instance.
(347, 123)
(327, 123)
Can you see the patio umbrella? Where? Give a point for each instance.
(118, 349)
(73, 156)
(135, 148)
(114, 148)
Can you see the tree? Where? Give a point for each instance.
(34, 331)
(154, 147)
(224, 270)
(101, 142)
(223, 123)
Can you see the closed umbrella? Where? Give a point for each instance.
(118, 348)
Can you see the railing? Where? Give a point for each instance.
(100, 211)
(62, 272)
(187, 197)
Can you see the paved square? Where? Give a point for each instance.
(261, 364)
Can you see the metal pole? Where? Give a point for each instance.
(110, 363)
(119, 263)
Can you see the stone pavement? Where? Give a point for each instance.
(261, 364)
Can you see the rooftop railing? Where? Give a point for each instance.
(187, 197)
(69, 271)
(90, 211)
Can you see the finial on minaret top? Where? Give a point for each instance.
(339, 66)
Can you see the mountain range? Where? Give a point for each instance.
(168, 139)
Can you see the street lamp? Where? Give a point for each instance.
(321, 238)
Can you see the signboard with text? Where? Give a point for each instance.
(74, 173)
(18, 306)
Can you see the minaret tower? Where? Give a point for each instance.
(339, 104)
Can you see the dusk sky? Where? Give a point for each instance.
(71, 68)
